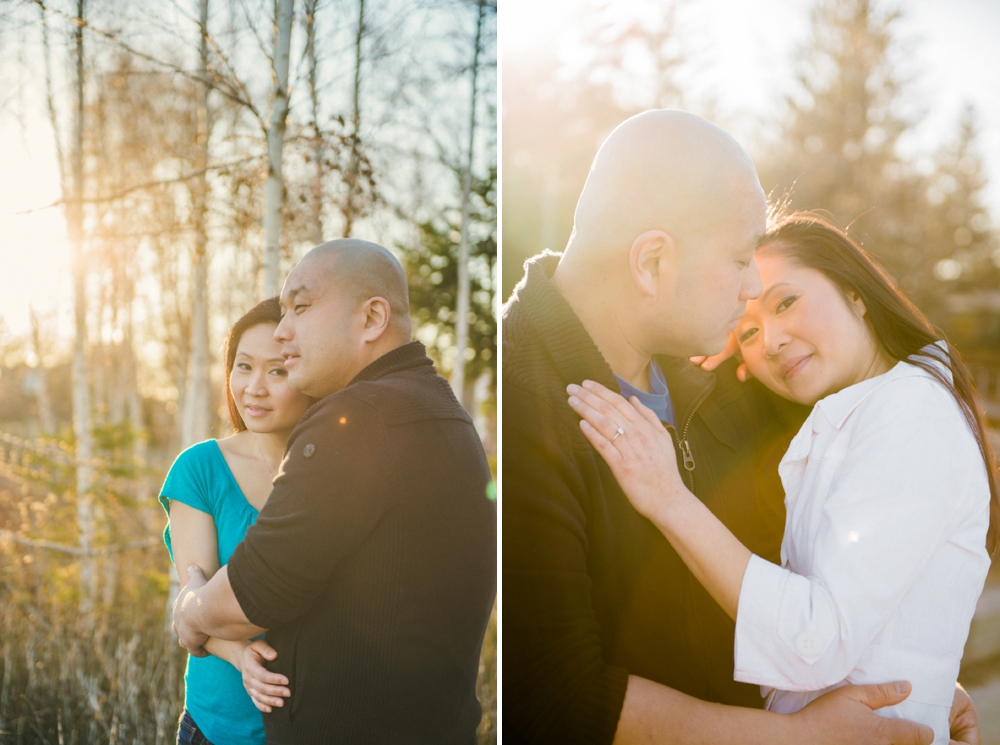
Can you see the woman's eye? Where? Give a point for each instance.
(243, 366)
(745, 336)
(786, 303)
(279, 371)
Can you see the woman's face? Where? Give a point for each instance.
(802, 338)
(259, 383)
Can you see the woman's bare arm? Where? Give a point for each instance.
(653, 485)
(195, 542)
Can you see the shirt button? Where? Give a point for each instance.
(807, 644)
(308, 450)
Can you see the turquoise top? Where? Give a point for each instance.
(214, 693)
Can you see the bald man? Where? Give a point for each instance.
(607, 635)
(373, 563)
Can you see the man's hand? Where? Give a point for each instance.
(963, 719)
(190, 638)
(266, 689)
(846, 715)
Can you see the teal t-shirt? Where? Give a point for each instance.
(214, 693)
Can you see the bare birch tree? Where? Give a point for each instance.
(316, 191)
(350, 207)
(275, 146)
(82, 426)
(462, 301)
(196, 419)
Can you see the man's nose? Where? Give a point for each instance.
(283, 332)
(750, 287)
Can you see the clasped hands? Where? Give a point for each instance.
(266, 689)
(188, 636)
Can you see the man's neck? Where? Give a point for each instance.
(607, 331)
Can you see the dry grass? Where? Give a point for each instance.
(112, 674)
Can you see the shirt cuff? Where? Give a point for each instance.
(757, 620)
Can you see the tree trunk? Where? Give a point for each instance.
(350, 206)
(82, 429)
(46, 418)
(275, 145)
(316, 197)
(462, 304)
(197, 415)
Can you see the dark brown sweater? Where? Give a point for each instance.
(373, 563)
(592, 590)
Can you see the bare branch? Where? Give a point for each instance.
(148, 185)
(216, 82)
(75, 551)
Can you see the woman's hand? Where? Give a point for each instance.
(633, 442)
(732, 349)
(265, 688)
(963, 720)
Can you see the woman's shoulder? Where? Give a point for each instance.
(914, 402)
(197, 456)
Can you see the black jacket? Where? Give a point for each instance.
(592, 590)
(373, 563)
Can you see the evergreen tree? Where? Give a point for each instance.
(958, 238)
(838, 149)
(432, 267)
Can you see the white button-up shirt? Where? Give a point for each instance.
(884, 553)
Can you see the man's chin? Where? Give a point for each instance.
(298, 382)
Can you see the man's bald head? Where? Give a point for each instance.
(661, 170)
(661, 256)
(365, 270)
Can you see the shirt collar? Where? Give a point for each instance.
(838, 406)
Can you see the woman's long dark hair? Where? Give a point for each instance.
(901, 330)
(266, 311)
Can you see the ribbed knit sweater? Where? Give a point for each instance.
(373, 563)
(592, 591)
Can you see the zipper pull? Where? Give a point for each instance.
(686, 453)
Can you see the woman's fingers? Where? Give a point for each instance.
(266, 689)
(612, 399)
(585, 405)
(264, 649)
(646, 413)
(601, 444)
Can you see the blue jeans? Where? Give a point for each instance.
(188, 732)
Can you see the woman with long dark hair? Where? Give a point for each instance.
(890, 485)
(212, 495)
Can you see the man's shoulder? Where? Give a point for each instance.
(403, 397)
(336, 413)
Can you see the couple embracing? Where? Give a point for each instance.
(338, 551)
(683, 549)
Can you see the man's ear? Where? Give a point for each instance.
(378, 314)
(653, 254)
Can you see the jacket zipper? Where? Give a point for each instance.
(684, 446)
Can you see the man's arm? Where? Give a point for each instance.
(209, 608)
(656, 715)
(336, 483)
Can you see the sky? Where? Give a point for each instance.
(746, 55)
(34, 254)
